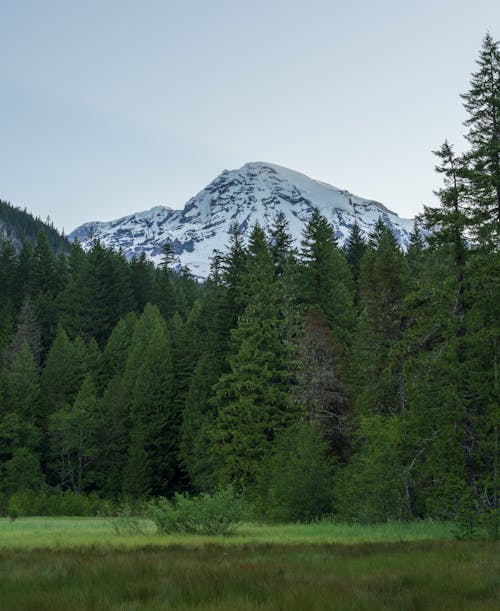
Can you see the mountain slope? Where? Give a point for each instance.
(18, 226)
(254, 193)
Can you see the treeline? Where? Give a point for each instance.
(360, 381)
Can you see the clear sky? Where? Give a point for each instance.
(108, 107)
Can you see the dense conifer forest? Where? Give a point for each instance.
(360, 381)
(18, 226)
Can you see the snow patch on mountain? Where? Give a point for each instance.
(255, 193)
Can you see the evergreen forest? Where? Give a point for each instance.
(360, 381)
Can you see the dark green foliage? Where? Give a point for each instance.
(295, 481)
(136, 479)
(45, 283)
(22, 389)
(115, 353)
(112, 442)
(73, 432)
(326, 280)
(355, 248)
(371, 488)
(21, 226)
(383, 285)
(110, 296)
(27, 332)
(22, 472)
(54, 502)
(148, 380)
(253, 398)
(482, 161)
(63, 373)
(142, 279)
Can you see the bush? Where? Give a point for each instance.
(53, 503)
(219, 513)
(128, 518)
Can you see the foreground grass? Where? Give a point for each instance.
(83, 564)
(55, 533)
(409, 575)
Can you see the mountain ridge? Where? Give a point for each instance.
(256, 192)
(18, 226)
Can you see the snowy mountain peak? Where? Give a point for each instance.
(256, 192)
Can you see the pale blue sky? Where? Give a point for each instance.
(112, 106)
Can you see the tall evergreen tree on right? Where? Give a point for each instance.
(482, 103)
(482, 178)
(466, 228)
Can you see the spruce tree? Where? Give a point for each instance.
(142, 278)
(23, 390)
(355, 247)
(482, 103)
(449, 223)
(73, 430)
(112, 439)
(110, 291)
(149, 381)
(326, 280)
(60, 380)
(136, 481)
(115, 353)
(372, 485)
(27, 331)
(253, 398)
(415, 255)
(383, 286)
(44, 288)
(199, 412)
(75, 299)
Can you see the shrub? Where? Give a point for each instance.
(128, 519)
(219, 513)
(49, 502)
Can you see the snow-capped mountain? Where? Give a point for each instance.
(254, 193)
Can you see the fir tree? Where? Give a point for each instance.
(482, 103)
(252, 399)
(27, 331)
(142, 277)
(23, 391)
(62, 375)
(326, 280)
(449, 223)
(149, 380)
(383, 285)
(112, 439)
(136, 481)
(354, 250)
(73, 439)
(44, 288)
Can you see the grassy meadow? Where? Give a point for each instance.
(74, 532)
(83, 564)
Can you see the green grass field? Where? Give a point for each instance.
(82, 563)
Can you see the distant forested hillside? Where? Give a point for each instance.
(18, 226)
